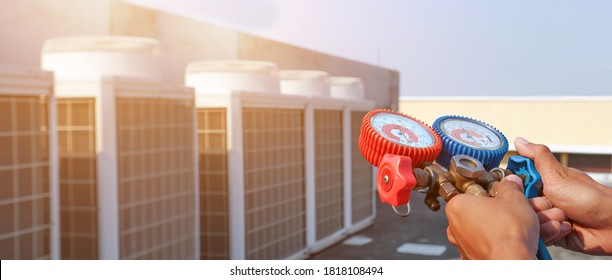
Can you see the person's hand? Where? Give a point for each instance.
(570, 195)
(500, 227)
(553, 223)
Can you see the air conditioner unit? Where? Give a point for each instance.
(128, 172)
(28, 166)
(258, 150)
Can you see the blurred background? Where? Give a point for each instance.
(98, 186)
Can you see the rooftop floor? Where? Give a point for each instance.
(420, 236)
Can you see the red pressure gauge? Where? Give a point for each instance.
(388, 132)
(396, 143)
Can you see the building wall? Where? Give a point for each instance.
(28, 23)
(182, 40)
(574, 126)
(380, 84)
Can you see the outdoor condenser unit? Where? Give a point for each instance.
(128, 172)
(252, 162)
(258, 150)
(329, 179)
(360, 176)
(28, 166)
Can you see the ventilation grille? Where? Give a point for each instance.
(361, 172)
(274, 182)
(328, 172)
(78, 186)
(212, 138)
(24, 178)
(156, 178)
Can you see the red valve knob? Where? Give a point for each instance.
(395, 179)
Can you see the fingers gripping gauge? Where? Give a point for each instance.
(396, 143)
(466, 136)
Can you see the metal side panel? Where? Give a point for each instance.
(214, 189)
(78, 177)
(328, 172)
(25, 228)
(155, 165)
(274, 185)
(361, 173)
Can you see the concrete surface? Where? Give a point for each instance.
(422, 227)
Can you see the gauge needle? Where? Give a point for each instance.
(469, 135)
(405, 137)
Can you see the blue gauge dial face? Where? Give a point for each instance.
(472, 134)
(402, 130)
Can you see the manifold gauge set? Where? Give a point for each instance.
(455, 155)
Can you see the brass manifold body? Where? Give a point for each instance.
(465, 175)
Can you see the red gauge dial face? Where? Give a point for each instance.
(385, 132)
(401, 130)
(471, 134)
(399, 133)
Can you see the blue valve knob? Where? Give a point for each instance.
(532, 181)
(466, 136)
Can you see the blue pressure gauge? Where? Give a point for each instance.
(466, 136)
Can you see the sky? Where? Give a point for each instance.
(440, 47)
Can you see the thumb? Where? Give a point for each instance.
(510, 185)
(545, 161)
